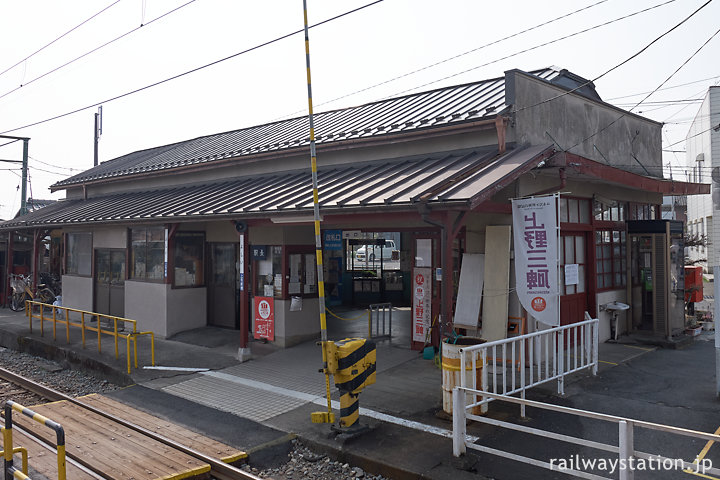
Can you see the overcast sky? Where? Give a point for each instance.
(349, 57)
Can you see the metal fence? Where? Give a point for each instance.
(10, 470)
(380, 321)
(628, 458)
(89, 322)
(515, 364)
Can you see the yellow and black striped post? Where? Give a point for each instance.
(10, 471)
(352, 362)
(317, 417)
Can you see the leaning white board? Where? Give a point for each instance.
(497, 283)
(467, 308)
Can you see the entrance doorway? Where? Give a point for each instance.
(573, 288)
(221, 285)
(110, 282)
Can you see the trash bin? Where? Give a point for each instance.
(451, 370)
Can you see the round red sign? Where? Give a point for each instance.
(538, 304)
(264, 309)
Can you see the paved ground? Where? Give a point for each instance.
(257, 403)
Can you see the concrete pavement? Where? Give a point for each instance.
(260, 402)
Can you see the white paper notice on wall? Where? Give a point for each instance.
(571, 274)
(467, 309)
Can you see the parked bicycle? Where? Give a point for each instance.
(23, 291)
(51, 281)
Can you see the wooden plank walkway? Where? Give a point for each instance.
(43, 460)
(111, 449)
(167, 429)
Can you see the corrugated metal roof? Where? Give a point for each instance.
(459, 178)
(440, 107)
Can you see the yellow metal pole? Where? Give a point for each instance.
(115, 320)
(61, 462)
(369, 323)
(328, 417)
(152, 347)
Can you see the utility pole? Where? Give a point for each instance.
(23, 200)
(715, 194)
(97, 132)
(25, 140)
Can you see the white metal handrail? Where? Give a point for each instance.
(380, 321)
(525, 361)
(625, 449)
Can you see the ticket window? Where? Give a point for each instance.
(268, 270)
(302, 272)
(284, 272)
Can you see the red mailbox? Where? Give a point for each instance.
(693, 284)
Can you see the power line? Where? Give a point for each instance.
(666, 88)
(137, 90)
(93, 50)
(8, 143)
(631, 57)
(716, 128)
(454, 57)
(55, 166)
(58, 38)
(664, 81)
(60, 174)
(689, 119)
(565, 37)
(665, 103)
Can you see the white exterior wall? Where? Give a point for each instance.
(146, 302)
(702, 139)
(164, 310)
(77, 292)
(292, 328)
(186, 309)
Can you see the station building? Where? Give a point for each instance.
(185, 235)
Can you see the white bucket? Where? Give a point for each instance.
(451, 371)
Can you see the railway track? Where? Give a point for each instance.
(218, 468)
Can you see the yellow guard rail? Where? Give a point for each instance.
(61, 315)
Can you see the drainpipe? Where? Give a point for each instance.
(500, 127)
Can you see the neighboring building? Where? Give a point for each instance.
(22, 247)
(703, 155)
(185, 235)
(35, 204)
(675, 208)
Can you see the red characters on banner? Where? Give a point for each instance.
(421, 303)
(264, 318)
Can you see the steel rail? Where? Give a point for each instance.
(219, 469)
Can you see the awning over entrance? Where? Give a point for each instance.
(462, 179)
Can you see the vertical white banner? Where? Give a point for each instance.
(422, 293)
(535, 237)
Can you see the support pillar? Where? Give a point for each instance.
(244, 353)
(9, 265)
